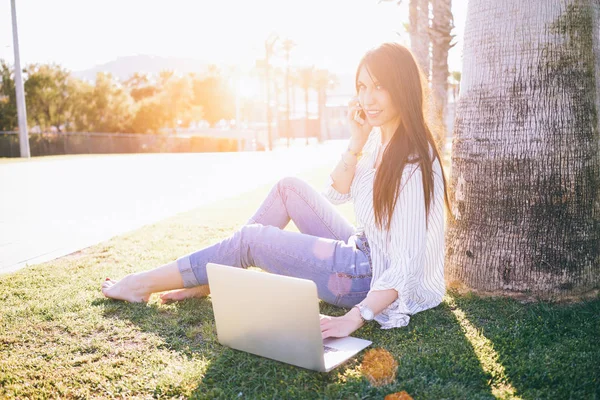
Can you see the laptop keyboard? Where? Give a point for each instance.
(327, 349)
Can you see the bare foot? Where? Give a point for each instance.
(128, 289)
(182, 294)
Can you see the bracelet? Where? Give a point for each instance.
(355, 154)
(346, 165)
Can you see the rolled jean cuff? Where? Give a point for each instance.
(187, 274)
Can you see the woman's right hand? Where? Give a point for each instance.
(359, 132)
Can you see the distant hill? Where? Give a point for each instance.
(124, 67)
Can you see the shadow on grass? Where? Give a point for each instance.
(546, 350)
(435, 359)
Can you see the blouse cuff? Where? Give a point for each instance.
(333, 195)
(390, 318)
(395, 315)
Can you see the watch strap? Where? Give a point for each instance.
(357, 306)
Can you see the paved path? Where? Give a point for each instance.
(53, 207)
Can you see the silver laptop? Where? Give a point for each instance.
(276, 317)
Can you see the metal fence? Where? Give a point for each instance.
(43, 144)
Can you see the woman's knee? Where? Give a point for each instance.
(291, 181)
(251, 239)
(251, 233)
(241, 241)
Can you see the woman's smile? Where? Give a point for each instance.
(372, 114)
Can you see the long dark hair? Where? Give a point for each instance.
(397, 71)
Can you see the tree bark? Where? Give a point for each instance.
(442, 24)
(419, 33)
(526, 154)
(306, 119)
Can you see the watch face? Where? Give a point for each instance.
(366, 313)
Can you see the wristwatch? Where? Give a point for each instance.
(365, 312)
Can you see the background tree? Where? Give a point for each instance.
(214, 97)
(194, 112)
(149, 116)
(526, 156)
(140, 87)
(324, 81)
(287, 46)
(441, 37)
(270, 43)
(306, 78)
(278, 85)
(419, 33)
(49, 96)
(105, 106)
(430, 26)
(8, 101)
(175, 97)
(455, 77)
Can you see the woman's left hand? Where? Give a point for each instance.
(340, 326)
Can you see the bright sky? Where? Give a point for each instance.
(330, 34)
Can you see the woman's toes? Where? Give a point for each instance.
(125, 289)
(174, 295)
(108, 282)
(182, 294)
(164, 297)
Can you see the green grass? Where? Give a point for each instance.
(60, 338)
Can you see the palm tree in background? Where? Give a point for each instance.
(306, 78)
(419, 33)
(430, 39)
(525, 158)
(265, 66)
(455, 84)
(287, 45)
(323, 81)
(441, 37)
(278, 79)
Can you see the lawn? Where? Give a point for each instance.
(60, 338)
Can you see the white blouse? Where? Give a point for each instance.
(410, 258)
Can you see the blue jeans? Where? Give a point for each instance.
(328, 250)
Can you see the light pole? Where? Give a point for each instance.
(21, 111)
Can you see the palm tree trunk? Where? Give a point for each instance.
(287, 98)
(441, 27)
(306, 120)
(419, 32)
(269, 112)
(526, 153)
(276, 89)
(322, 96)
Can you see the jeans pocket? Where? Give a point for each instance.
(362, 245)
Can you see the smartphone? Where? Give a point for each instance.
(359, 115)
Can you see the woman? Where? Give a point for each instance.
(388, 268)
